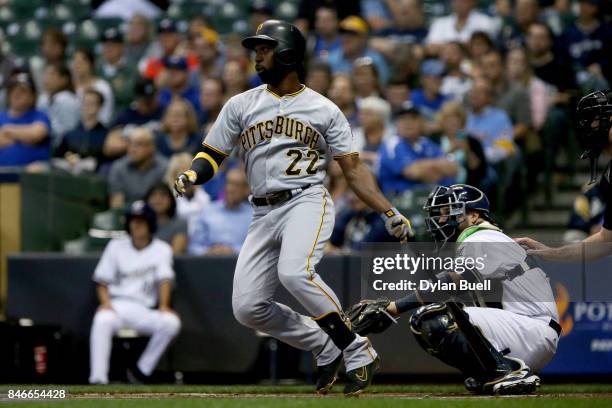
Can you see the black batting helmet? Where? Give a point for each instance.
(593, 113)
(286, 39)
(140, 209)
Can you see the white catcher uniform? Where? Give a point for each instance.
(132, 277)
(286, 143)
(522, 325)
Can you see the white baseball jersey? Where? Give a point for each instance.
(285, 142)
(133, 274)
(528, 294)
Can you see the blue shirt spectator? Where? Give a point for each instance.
(222, 227)
(179, 84)
(491, 126)
(327, 38)
(429, 99)
(410, 161)
(354, 40)
(24, 131)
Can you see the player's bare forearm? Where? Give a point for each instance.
(594, 247)
(165, 289)
(103, 296)
(362, 182)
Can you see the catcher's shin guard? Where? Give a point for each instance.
(335, 327)
(449, 336)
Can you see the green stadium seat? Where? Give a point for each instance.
(104, 23)
(24, 38)
(26, 9)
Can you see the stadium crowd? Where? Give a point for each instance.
(481, 96)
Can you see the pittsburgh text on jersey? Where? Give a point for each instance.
(281, 125)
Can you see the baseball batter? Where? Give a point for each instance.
(495, 346)
(286, 134)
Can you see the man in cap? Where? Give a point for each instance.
(115, 69)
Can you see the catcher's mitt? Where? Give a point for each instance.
(370, 316)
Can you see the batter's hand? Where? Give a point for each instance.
(183, 181)
(532, 246)
(397, 225)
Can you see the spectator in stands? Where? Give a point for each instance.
(342, 93)
(490, 125)
(179, 130)
(306, 17)
(210, 234)
(24, 131)
(356, 225)
(59, 101)
(411, 161)
(406, 27)
(374, 116)
(126, 10)
(587, 215)
(170, 228)
(428, 99)
(8, 64)
(82, 147)
(83, 77)
(178, 84)
(133, 175)
(115, 69)
(191, 204)
(365, 78)
(133, 275)
(541, 94)
(458, 26)
(549, 66)
(326, 35)
(168, 40)
(137, 40)
(456, 82)
(354, 40)
(53, 44)
(589, 43)
(465, 149)
(235, 78)
(260, 11)
(508, 96)
(210, 60)
(318, 77)
(144, 111)
(480, 43)
(212, 94)
(397, 93)
(513, 32)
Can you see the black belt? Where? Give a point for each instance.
(555, 326)
(278, 197)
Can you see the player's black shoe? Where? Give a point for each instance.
(360, 378)
(473, 385)
(328, 375)
(135, 376)
(520, 381)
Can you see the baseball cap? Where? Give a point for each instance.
(263, 7)
(167, 26)
(145, 89)
(432, 67)
(355, 25)
(408, 108)
(209, 35)
(111, 35)
(175, 62)
(21, 78)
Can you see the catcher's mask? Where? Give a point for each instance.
(593, 113)
(446, 209)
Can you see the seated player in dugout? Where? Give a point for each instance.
(133, 275)
(594, 115)
(497, 347)
(286, 134)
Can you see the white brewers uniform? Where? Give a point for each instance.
(528, 304)
(132, 277)
(286, 143)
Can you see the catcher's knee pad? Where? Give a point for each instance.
(448, 335)
(432, 325)
(334, 325)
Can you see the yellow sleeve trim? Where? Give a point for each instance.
(214, 149)
(207, 157)
(339, 156)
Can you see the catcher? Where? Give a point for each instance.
(495, 348)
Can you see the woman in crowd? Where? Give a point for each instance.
(59, 101)
(365, 78)
(82, 66)
(170, 228)
(179, 130)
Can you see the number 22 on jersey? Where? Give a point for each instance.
(296, 156)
